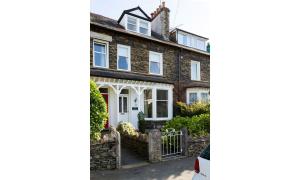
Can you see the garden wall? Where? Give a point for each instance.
(105, 154)
(196, 145)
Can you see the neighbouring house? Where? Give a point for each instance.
(140, 65)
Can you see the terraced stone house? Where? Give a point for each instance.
(140, 64)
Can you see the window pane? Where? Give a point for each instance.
(144, 24)
(99, 48)
(143, 30)
(194, 71)
(103, 90)
(122, 51)
(148, 103)
(193, 97)
(204, 97)
(131, 27)
(147, 94)
(154, 57)
(162, 94)
(148, 109)
(100, 59)
(184, 40)
(125, 105)
(123, 63)
(131, 20)
(154, 67)
(162, 109)
(120, 104)
(124, 91)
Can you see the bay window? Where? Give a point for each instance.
(124, 57)
(155, 63)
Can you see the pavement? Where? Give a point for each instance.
(179, 169)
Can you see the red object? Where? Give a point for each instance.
(196, 166)
(105, 96)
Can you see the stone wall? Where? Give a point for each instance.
(105, 154)
(175, 71)
(196, 145)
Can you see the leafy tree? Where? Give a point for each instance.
(98, 112)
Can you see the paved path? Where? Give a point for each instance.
(169, 170)
(129, 157)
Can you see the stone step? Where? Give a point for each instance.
(173, 158)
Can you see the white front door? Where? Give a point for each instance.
(123, 107)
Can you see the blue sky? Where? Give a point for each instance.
(191, 15)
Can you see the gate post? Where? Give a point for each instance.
(154, 145)
(184, 141)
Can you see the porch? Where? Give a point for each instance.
(126, 98)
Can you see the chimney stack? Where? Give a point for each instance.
(160, 21)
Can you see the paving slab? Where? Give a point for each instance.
(179, 169)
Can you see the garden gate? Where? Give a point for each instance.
(171, 143)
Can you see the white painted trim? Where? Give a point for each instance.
(129, 57)
(97, 41)
(138, 20)
(198, 65)
(161, 63)
(198, 91)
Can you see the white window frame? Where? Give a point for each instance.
(154, 107)
(138, 20)
(129, 57)
(160, 65)
(198, 65)
(198, 91)
(137, 23)
(162, 101)
(106, 44)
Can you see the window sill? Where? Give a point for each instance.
(161, 75)
(99, 67)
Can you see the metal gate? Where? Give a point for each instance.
(171, 143)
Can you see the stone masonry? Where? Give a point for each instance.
(105, 154)
(154, 145)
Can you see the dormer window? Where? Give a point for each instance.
(137, 25)
(136, 20)
(191, 40)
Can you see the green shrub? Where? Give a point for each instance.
(98, 112)
(196, 125)
(190, 110)
(126, 128)
(141, 122)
